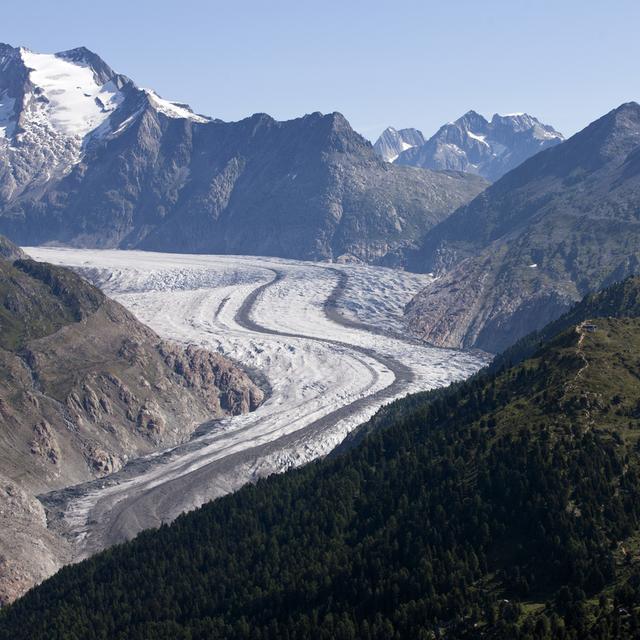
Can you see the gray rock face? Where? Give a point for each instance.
(84, 387)
(563, 224)
(475, 145)
(9, 251)
(392, 142)
(89, 159)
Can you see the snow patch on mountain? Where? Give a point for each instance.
(479, 138)
(66, 95)
(173, 109)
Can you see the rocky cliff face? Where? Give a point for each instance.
(392, 142)
(9, 251)
(487, 148)
(87, 158)
(83, 388)
(564, 223)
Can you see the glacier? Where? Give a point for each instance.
(328, 339)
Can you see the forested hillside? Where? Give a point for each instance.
(504, 507)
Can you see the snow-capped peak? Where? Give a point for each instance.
(477, 145)
(173, 109)
(54, 107)
(74, 103)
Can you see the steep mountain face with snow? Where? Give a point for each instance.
(487, 148)
(52, 107)
(563, 224)
(392, 142)
(88, 158)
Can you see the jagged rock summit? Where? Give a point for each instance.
(392, 142)
(489, 148)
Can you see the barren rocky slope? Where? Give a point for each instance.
(564, 223)
(84, 387)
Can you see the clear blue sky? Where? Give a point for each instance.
(400, 63)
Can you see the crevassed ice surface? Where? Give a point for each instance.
(329, 370)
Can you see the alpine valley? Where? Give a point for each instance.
(264, 380)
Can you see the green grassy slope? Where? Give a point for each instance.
(622, 299)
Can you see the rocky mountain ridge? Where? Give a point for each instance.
(89, 159)
(489, 148)
(562, 224)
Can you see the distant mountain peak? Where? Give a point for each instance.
(476, 145)
(392, 142)
(471, 118)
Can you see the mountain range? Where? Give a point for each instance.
(89, 159)
(472, 144)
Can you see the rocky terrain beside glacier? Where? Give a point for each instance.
(85, 387)
(561, 225)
